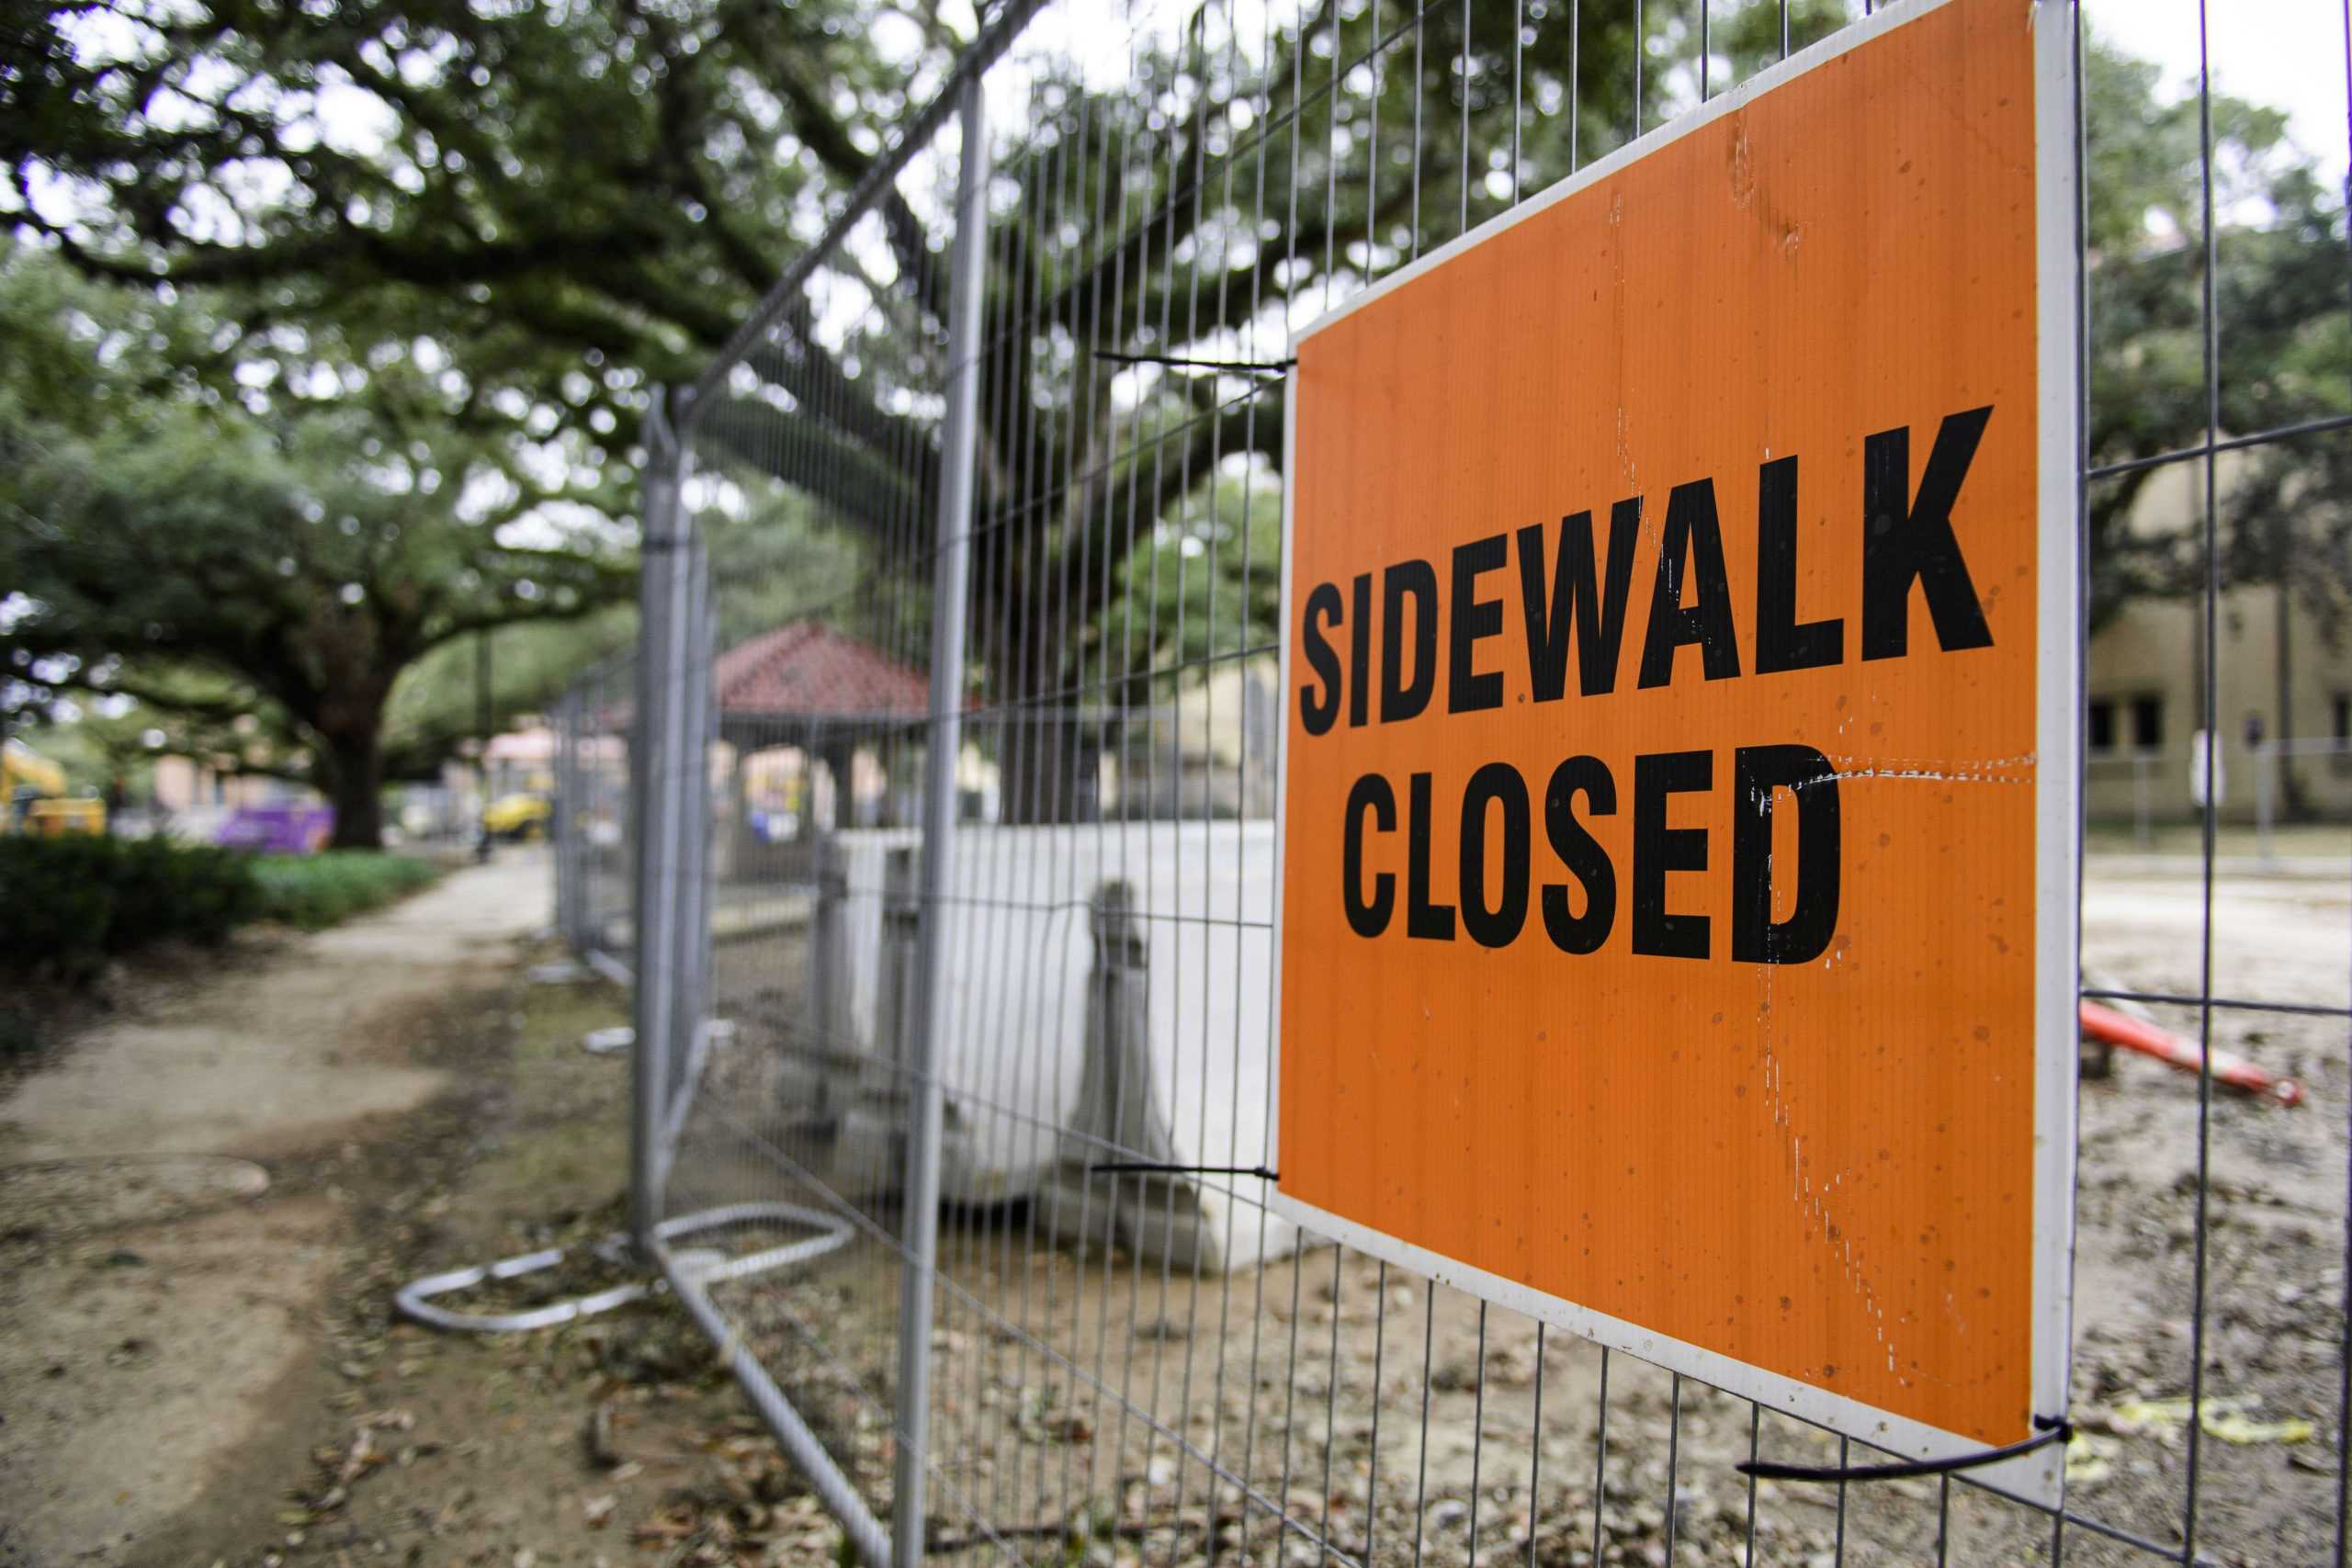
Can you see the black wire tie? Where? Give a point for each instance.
(1137, 1167)
(2053, 1430)
(1266, 366)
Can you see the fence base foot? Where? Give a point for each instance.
(414, 1300)
(1153, 1221)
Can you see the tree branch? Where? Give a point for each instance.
(862, 487)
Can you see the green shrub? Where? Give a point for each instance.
(195, 894)
(71, 903)
(312, 891)
(20, 1032)
(58, 894)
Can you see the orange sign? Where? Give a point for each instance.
(1678, 883)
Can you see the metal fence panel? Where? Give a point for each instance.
(593, 856)
(1140, 1365)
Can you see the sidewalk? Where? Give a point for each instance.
(160, 1314)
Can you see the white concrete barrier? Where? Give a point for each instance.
(1019, 954)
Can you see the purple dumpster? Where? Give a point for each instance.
(283, 827)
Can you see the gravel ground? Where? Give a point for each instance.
(1344, 1405)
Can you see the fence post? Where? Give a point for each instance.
(957, 453)
(602, 762)
(577, 815)
(659, 766)
(559, 884)
(2142, 831)
(690, 991)
(897, 973)
(2265, 788)
(828, 941)
(561, 820)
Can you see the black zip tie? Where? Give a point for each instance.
(1140, 1168)
(2053, 1430)
(1268, 367)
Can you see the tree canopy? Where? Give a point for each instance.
(512, 220)
(262, 574)
(1235, 183)
(575, 201)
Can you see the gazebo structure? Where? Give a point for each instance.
(836, 701)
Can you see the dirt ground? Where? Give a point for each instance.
(205, 1207)
(213, 1375)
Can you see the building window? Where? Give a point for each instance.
(2147, 724)
(2101, 727)
(2343, 706)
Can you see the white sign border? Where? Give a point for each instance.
(2038, 1478)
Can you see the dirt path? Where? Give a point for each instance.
(161, 1315)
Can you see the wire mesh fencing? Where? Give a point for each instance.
(935, 815)
(595, 870)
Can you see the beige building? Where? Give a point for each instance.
(2284, 694)
(182, 783)
(1207, 753)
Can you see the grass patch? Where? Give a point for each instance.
(312, 891)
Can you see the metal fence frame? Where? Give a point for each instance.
(675, 726)
(671, 730)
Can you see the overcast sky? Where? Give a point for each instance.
(2289, 54)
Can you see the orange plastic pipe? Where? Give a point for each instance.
(2137, 1035)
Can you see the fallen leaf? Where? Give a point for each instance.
(2229, 1418)
(2086, 1460)
(2242, 1430)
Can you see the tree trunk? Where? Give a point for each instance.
(1048, 768)
(356, 788)
(2295, 804)
(840, 757)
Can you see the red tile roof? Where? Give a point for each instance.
(812, 669)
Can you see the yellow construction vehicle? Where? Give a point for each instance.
(33, 797)
(516, 816)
